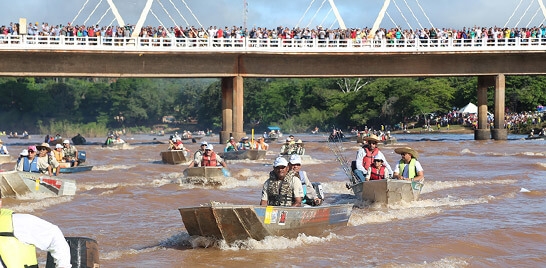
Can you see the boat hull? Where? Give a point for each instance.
(173, 157)
(244, 154)
(5, 158)
(236, 222)
(18, 183)
(117, 145)
(386, 191)
(204, 175)
(79, 168)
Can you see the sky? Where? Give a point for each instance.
(287, 13)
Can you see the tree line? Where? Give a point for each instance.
(41, 105)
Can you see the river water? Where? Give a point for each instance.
(474, 210)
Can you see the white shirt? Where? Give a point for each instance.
(44, 235)
(418, 168)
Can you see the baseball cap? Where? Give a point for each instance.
(66, 141)
(31, 148)
(24, 152)
(209, 147)
(58, 146)
(295, 159)
(204, 143)
(280, 161)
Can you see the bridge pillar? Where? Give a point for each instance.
(232, 108)
(499, 132)
(483, 132)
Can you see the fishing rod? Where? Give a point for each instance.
(335, 143)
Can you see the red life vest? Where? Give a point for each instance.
(209, 161)
(368, 158)
(377, 174)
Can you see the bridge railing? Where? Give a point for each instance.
(23, 42)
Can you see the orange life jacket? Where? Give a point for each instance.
(368, 158)
(209, 161)
(377, 174)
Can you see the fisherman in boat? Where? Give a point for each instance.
(244, 144)
(378, 170)
(289, 147)
(29, 163)
(70, 153)
(209, 159)
(231, 145)
(408, 167)
(198, 155)
(58, 154)
(23, 154)
(3, 148)
(46, 163)
(109, 140)
(282, 188)
(260, 144)
(365, 157)
(299, 149)
(22, 233)
(310, 196)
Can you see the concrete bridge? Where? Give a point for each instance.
(234, 59)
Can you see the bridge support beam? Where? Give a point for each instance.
(232, 108)
(483, 132)
(497, 132)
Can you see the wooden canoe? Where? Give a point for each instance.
(18, 183)
(173, 157)
(387, 191)
(240, 222)
(252, 154)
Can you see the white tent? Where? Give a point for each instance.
(470, 108)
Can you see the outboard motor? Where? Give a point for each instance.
(318, 189)
(81, 156)
(84, 253)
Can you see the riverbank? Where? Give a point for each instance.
(457, 129)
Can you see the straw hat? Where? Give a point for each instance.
(413, 153)
(372, 138)
(42, 146)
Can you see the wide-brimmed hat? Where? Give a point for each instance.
(372, 138)
(413, 153)
(43, 146)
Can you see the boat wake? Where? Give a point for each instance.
(43, 203)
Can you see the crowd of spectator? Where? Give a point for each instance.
(280, 32)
